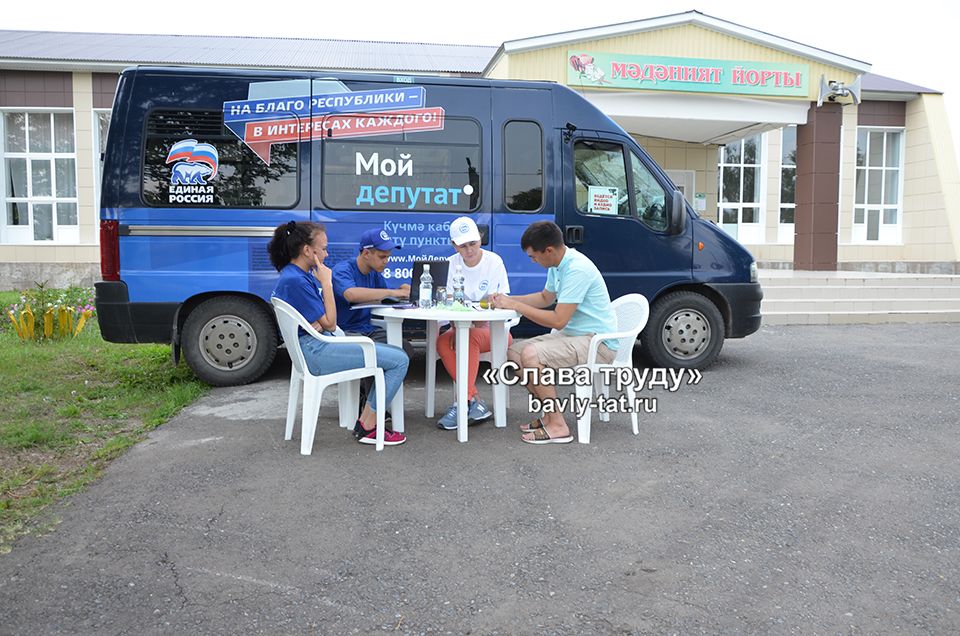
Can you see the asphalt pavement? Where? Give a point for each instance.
(806, 484)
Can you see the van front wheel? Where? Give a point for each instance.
(229, 341)
(685, 330)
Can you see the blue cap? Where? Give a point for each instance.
(377, 240)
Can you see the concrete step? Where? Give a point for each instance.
(856, 279)
(804, 305)
(781, 292)
(858, 317)
(826, 298)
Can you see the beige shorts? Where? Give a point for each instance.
(558, 351)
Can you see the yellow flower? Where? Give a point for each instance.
(16, 325)
(26, 320)
(83, 320)
(48, 323)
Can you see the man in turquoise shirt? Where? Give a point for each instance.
(583, 309)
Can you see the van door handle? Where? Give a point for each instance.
(484, 233)
(573, 235)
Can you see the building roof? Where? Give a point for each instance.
(38, 50)
(680, 19)
(48, 50)
(872, 83)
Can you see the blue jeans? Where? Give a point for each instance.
(325, 357)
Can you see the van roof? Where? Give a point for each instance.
(357, 77)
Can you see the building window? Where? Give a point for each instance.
(39, 178)
(788, 184)
(740, 177)
(878, 204)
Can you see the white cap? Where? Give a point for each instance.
(464, 230)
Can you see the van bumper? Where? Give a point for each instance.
(123, 321)
(743, 299)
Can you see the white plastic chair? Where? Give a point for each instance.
(348, 382)
(632, 311)
(433, 356)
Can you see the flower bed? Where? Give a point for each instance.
(43, 314)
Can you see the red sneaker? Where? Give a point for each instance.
(390, 438)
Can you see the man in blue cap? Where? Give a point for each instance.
(360, 280)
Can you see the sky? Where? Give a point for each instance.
(917, 42)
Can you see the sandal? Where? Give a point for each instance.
(541, 436)
(532, 425)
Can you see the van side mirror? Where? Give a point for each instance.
(678, 213)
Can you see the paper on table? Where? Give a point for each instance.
(375, 304)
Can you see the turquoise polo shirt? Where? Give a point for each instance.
(576, 280)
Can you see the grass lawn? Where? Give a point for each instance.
(69, 407)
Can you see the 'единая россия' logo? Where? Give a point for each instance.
(193, 163)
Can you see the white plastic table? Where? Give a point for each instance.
(462, 320)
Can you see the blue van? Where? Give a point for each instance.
(202, 164)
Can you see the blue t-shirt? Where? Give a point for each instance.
(346, 274)
(302, 291)
(576, 280)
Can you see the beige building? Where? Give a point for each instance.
(862, 184)
(866, 179)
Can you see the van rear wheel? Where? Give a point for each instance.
(229, 341)
(685, 331)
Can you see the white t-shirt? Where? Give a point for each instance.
(487, 277)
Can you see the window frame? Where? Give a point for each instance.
(859, 230)
(98, 150)
(226, 135)
(543, 159)
(373, 139)
(754, 233)
(786, 231)
(630, 156)
(628, 177)
(24, 234)
(634, 157)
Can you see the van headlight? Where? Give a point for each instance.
(753, 272)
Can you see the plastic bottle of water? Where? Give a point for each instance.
(458, 286)
(426, 289)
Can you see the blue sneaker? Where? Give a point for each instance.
(449, 420)
(478, 411)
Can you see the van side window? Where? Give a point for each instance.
(192, 161)
(601, 178)
(424, 171)
(523, 166)
(649, 197)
